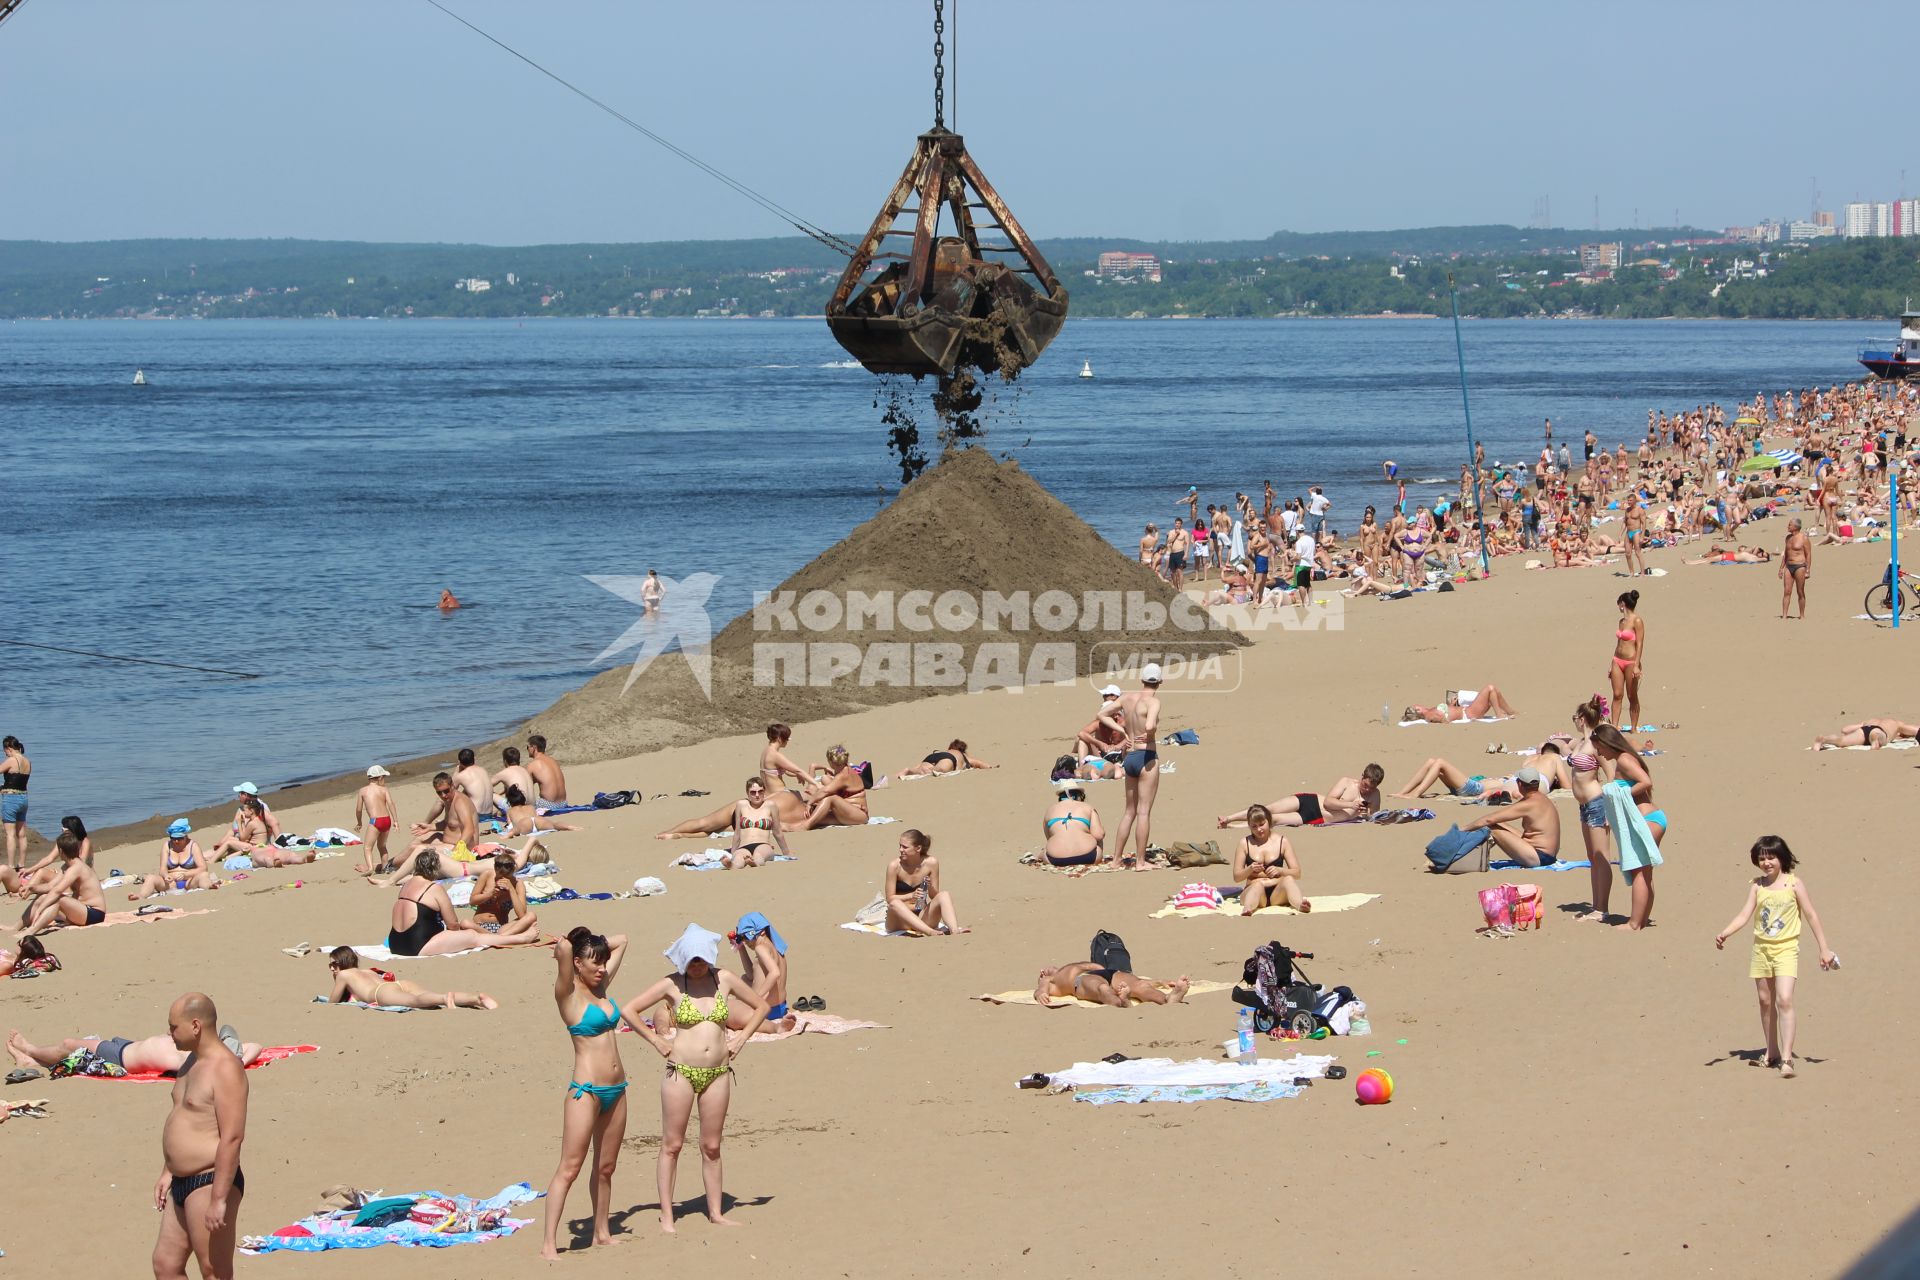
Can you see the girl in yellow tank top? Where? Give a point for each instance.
(1777, 901)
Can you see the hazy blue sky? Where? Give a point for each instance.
(384, 120)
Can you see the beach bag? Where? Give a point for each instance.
(1187, 855)
(1182, 738)
(1200, 896)
(1109, 952)
(1453, 851)
(614, 799)
(865, 770)
(1065, 767)
(1512, 906)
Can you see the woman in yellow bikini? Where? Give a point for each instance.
(1777, 901)
(595, 1109)
(699, 1057)
(757, 829)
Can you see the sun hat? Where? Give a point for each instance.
(1111, 691)
(377, 771)
(1064, 785)
(1529, 775)
(179, 827)
(248, 788)
(1150, 674)
(694, 944)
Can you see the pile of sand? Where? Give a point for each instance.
(971, 525)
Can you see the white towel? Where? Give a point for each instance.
(1198, 1071)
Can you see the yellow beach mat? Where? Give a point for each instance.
(1320, 903)
(1062, 1002)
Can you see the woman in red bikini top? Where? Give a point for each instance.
(1629, 652)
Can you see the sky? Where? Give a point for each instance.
(1206, 119)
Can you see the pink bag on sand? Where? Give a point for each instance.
(1197, 896)
(1512, 906)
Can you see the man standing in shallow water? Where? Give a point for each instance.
(201, 1186)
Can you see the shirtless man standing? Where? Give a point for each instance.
(472, 779)
(200, 1186)
(1139, 712)
(373, 817)
(1796, 566)
(546, 771)
(1178, 542)
(1537, 842)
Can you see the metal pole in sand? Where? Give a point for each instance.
(1479, 512)
(1893, 526)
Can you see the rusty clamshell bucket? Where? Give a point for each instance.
(945, 304)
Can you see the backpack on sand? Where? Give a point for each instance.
(1109, 952)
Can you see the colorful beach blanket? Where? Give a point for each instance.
(428, 1219)
(1321, 905)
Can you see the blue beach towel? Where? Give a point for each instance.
(1631, 834)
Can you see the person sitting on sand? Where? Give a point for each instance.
(547, 773)
(952, 760)
(472, 777)
(28, 881)
(1072, 827)
(424, 922)
(499, 898)
(248, 831)
(775, 767)
(373, 818)
(1265, 864)
(247, 812)
(523, 821)
(1347, 799)
(450, 823)
(115, 1055)
(1085, 980)
(1536, 843)
(916, 904)
(841, 800)
(1488, 703)
(376, 986)
(757, 830)
(182, 865)
(763, 963)
(1104, 735)
(512, 774)
(73, 898)
(1868, 733)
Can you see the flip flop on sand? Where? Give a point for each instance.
(20, 1075)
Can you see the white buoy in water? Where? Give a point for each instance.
(1086, 368)
(139, 377)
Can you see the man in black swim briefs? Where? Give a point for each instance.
(200, 1186)
(74, 897)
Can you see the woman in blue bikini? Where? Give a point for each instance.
(595, 1110)
(1072, 827)
(699, 1057)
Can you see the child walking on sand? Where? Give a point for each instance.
(1777, 900)
(373, 818)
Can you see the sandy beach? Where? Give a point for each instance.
(1578, 1097)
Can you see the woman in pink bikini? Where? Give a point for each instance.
(1629, 651)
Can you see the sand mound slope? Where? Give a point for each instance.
(970, 525)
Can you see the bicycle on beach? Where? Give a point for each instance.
(1885, 600)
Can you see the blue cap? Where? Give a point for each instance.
(179, 827)
(753, 924)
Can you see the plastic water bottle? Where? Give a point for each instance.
(1386, 714)
(1245, 1039)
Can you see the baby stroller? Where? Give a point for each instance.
(1281, 996)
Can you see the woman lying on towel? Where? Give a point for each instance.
(1072, 827)
(1488, 702)
(1739, 555)
(1457, 781)
(376, 986)
(951, 760)
(1084, 980)
(1869, 733)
